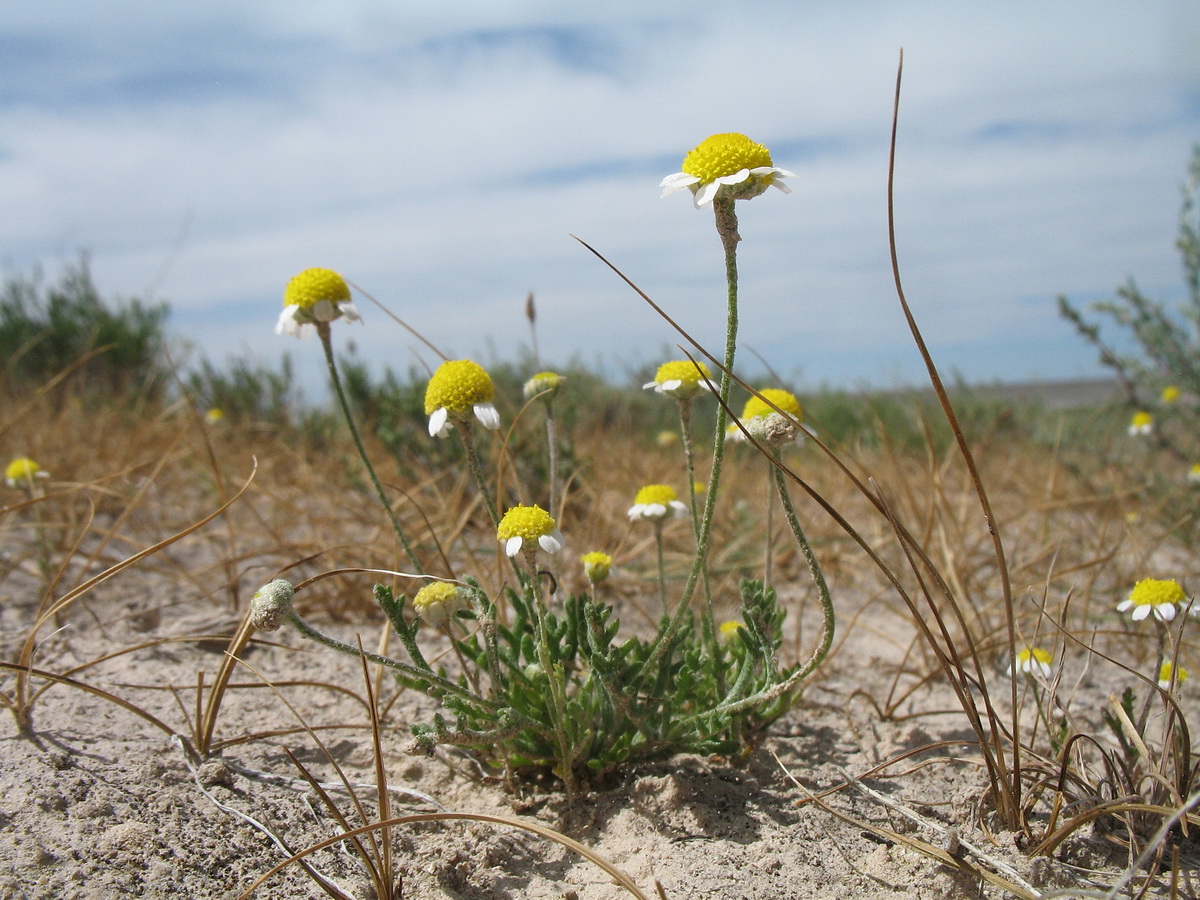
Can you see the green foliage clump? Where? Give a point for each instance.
(114, 348)
(247, 392)
(626, 700)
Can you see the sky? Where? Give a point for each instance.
(441, 156)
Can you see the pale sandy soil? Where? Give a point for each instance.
(100, 804)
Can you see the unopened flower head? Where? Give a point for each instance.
(22, 471)
(312, 297)
(596, 566)
(656, 502)
(1141, 423)
(1033, 661)
(728, 165)
(1170, 394)
(1154, 595)
(1166, 670)
(438, 601)
(527, 528)
(546, 384)
(680, 378)
(271, 604)
(458, 388)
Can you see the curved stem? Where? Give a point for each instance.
(814, 569)
(323, 331)
(433, 681)
(726, 220)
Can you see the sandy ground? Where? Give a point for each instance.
(101, 804)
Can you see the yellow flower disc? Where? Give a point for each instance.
(1164, 674)
(21, 469)
(784, 400)
(526, 522)
(727, 633)
(655, 493)
(312, 286)
(458, 385)
(1036, 653)
(684, 370)
(1154, 592)
(437, 601)
(1141, 420)
(724, 154)
(596, 566)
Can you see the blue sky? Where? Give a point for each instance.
(440, 158)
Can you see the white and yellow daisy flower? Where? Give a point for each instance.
(730, 164)
(457, 389)
(314, 296)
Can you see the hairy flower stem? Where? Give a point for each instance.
(814, 569)
(689, 459)
(435, 684)
(728, 232)
(467, 430)
(323, 331)
(552, 448)
(662, 574)
(769, 553)
(554, 678)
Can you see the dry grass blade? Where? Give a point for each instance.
(591, 856)
(934, 852)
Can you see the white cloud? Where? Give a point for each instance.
(442, 167)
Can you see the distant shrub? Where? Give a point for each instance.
(246, 391)
(44, 330)
(1161, 377)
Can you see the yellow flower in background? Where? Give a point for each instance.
(1170, 394)
(667, 438)
(545, 383)
(314, 296)
(727, 633)
(656, 502)
(214, 415)
(1141, 423)
(523, 526)
(22, 471)
(728, 164)
(1154, 595)
(438, 601)
(1194, 473)
(1165, 673)
(681, 378)
(596, 566)
(756, 406)
(1033, 661)
(764, 423)
(458, 388)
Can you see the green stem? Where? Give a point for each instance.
(467, 430)
(558, 699)
(435, 683)
(552, 446)
(814, 569)
(662, 573)
(726, 220)
(323, 331)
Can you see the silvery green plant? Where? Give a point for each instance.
(541, 682)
